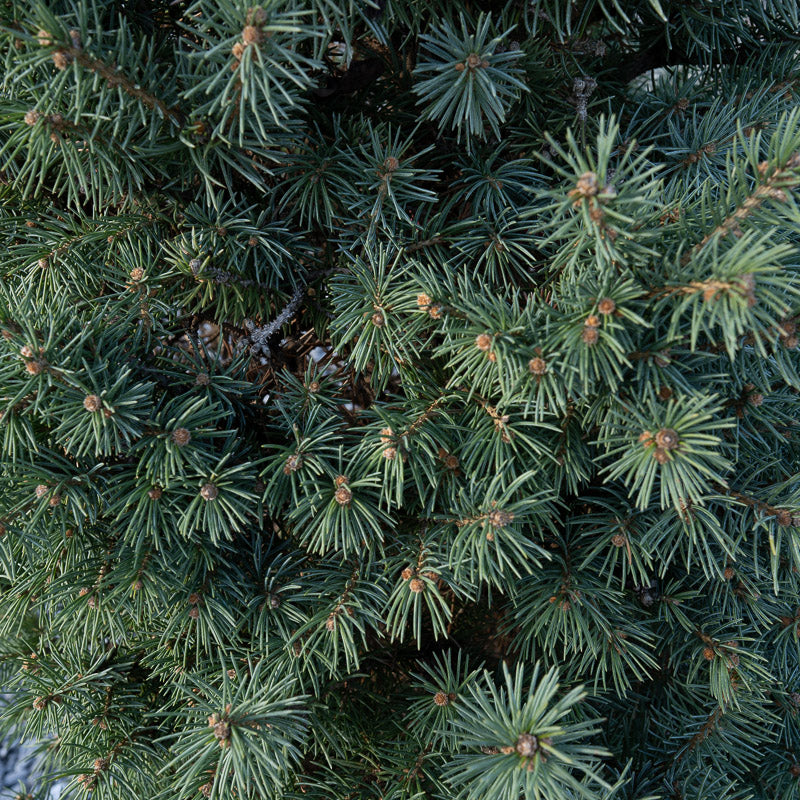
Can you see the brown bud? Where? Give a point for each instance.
(386, 435)
(41, 490)
(222, 731)
(202, 379)
(92, 403)
(794, 770)
(252, 35)
(783, 517)
(440, 699)
(137, 273)
(181, 437)
(435, 311)
(416, 585)
(537, 366)
(592, 321)
(343, 496)
(667, 438)
(473, 60)
(194, 612)
(708, 653)
(586, 185)
(406, 573)
(61, 59)
(391, 164)
(499, 519)
(527, 745)
(483, 341)
(590, 336)
(378, 319)
(257, 16)
(729, 573)
(606, 306)
(32, 117)
(209, 491)
(618, 540)
(423, 300)
(33, 367)
(390, 453)
(660, 455)
(237, 51)
(292, 464)
(155, 493)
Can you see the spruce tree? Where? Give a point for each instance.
(400, 398)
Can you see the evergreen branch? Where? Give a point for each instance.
(64, 55)
(782, 176)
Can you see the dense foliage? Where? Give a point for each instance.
(400, 398)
